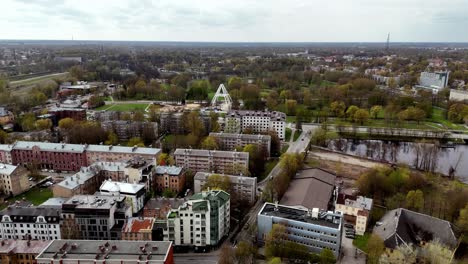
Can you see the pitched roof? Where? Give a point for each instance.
(312, 188)
(403, 226)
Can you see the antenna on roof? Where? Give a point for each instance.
(387, 47)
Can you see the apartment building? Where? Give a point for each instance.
(128, 129)
(77, 114)
(13, 179)
(242, 188)
(110, 252)
(229, 162)
(14, 251)
(94, 217)
(258, 121)
(229, 141)
(356, 209)
(201, 222)
(169, 177)
(69, 157)
(314, 229)
(138, 229)
(134, 193)
(30, 223)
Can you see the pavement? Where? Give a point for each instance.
(350, 256)
(196, 258)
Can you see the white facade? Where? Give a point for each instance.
(245, 188)
(258, 121)
(22, 223)
(134, 193)
(434, 80)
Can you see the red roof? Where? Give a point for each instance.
(134, 225)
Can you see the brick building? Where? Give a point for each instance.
(76, 114)
(169, 177)
(138, 228)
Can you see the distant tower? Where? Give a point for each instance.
(387, 47)
(225, 97)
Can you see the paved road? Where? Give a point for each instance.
(350, 255)
(195, 259)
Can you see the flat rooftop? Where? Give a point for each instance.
(91, 250)
(23, 246)
(286, 212)
(214, 153)
(241, 136)
(94, 201)
(170, 170)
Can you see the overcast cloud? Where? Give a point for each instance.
(239, 20)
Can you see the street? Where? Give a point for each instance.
(196, 258)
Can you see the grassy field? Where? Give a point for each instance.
(288, 134)
(297, 134)
(123, 107)
(35, 195)
(38, 79)
(361, 241)
(438, 116)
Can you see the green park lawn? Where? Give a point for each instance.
(361, 241)
(123, 107)
(297, 134)
(288, 134)
(35, 195)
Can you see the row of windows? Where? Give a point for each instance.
(311, 230)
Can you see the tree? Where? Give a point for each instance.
(27, 122)
(209, 143)
(226, 255)
(375, 110)
(435, 252)
(291, 107)
(218, 182)
(275, 241)
(112, 139)
(338, 108)
(76, 72)
(215, 127)
(403, 254)
(95, 101)
(245, 251)
(168, 193)
(256, 159)
(462, 221)
(375, 248)
(327, 257)
(194, 125)
(135, 141)
(351, 111)
(165, 160)
(66, 123)
(138, 117)
(275, 261)
(392, 83)
(361, 116)
(43, 124)
(3, 137)
(415, 200)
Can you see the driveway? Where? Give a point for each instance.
(349, 252)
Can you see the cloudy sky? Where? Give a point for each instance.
(238, 20)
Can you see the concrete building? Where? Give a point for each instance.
(159, 207)
(14, 251)
(229, 141)
(134, 193)
(30, 223)
(229, 162)
(138, 229)
(258, 121)
(403, 227)
(128, 129)
(311, 188)
(458, 95)
(95, 217)
(13, 179)
(86, 181)
(110, 252)
(243, 188)
(434, 81)
(355, 210)
(70, 157)
(314, 229)
(169, 177)
(201, 222)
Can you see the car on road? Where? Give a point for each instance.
(30, 178)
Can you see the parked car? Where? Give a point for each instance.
(349, 225)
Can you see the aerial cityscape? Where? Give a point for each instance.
(222, 132)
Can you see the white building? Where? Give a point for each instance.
(30, 223)
(133, 192)
(201, 222)
(458, 95)
(243, 188)
(218, 161)
(357, 209)
(433, 80)
(258, 121)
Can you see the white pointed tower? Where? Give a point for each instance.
(226, 98)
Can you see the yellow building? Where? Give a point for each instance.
(21, 251)
(355, 209)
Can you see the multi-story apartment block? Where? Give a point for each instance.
(14, 251)
(13, 179)
(138, 228)
(229, 141)
(242, 188)
(128, 129)
(355, 209)
(172, 122)
(169, 177)
(110, 252)
(59, 113)
(231, 162)
(69, 157)
(258, 121)
(133, 192)
(314, 229)
(30, 223)
(201, 222)
(95, 217)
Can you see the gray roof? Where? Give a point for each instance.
(115, 250)
(402, 226)
(121, 149)
(216, 153)
(45, 146)
(77, 179)
(23, 246)
(7, 169)
(202, 176)
(326, 219)
(94, 201)
(170, 170)
(277, 116)
(55, 202)
(3, 111)
(242, 136)
(121, 187)
(312, 188)
(29, 214)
